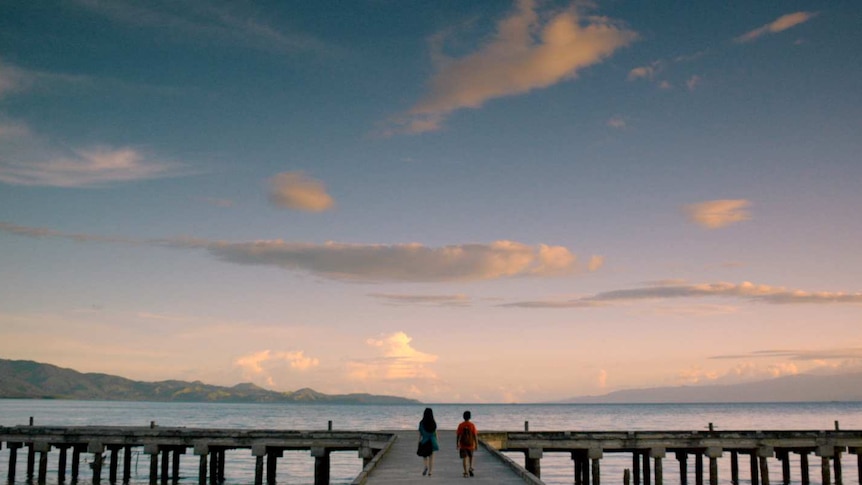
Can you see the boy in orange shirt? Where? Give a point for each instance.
(467, 440)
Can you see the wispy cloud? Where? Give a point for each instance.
(458, 300)
(778, 25)
(745, 291)
(617, 122)
(398, 360)
(798, 354)
(28, 159)
(528, 51)
(715, 214)
(295, 190)
(366, 262)
(227, 22)
(742, 372)
(693, 82)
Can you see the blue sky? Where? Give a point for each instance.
(454, 201)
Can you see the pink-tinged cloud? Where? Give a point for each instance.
(528, 51)
(715, 214)
(397, 360)
(745, 291)
(403, 262)
(28, 159)
(294, 190)
(366, 262)
(778, 25)
(458, 300)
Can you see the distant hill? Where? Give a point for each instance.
(24, 379)
(797, 388)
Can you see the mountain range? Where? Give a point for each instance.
(24, 379)
(795, 388)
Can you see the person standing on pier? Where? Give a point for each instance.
(466, 438)
(427, 441)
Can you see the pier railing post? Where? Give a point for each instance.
(127, 463)
(784, 458)
(43, 447)
(258, 452)
(734, 467)
(114, 451)
(755, 468)
(804, 468)
(836, 464)
(202, 449)
(636, 467)
(698, 469)
(61, 464)
(31, 459)
(13, 459)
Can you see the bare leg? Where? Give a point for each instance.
(430, 463)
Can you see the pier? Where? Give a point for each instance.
(388, 457)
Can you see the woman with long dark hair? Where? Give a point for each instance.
(427, 440)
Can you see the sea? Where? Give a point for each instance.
(556, 468)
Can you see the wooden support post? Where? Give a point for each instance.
(175, 465)
(836, 465)
(76, 462)
(321, 465)
(627, 477)
(713, 453)
(61, 464)
(585, 470)
(127, 463)
(734, 467)
(657, 454)
(682, 457)
(96, 448)
(764, 452)
(533, 461)
(202, 470)
(43, 467)
(214, 459)
(112, 466)
(859, 465)
(166, 457)
(221, 457)
(595, 455)
(31, 460)
(825, 452)
(97, 468)
(154, 468)
(271, 457)
(755, 469)
(646, 469)
(13, 460)
(258, 470)
(579, 478)
(804, 469)
(202, 449)
(784, 456)
(636, 467)
(698, 469)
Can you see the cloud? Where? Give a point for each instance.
(848, 353)
(294, 190)
(745, 291)
(617, 122)
(226, 22)
(428, 300)
(403, 262)
(30, 160)
(398, 360)
(528, 51)
(365, 262)
(265, 361)
(693, 82)
(778, 25)
(602, 379)
(13, 79)
(714, 214)
(742, 372)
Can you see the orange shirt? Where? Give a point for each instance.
(460, 430)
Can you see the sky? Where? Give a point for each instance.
(452, 201)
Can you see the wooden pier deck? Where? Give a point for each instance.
(401, 466)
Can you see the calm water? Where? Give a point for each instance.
(557, 468)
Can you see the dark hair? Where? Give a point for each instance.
(467, 415)
(428, 423)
